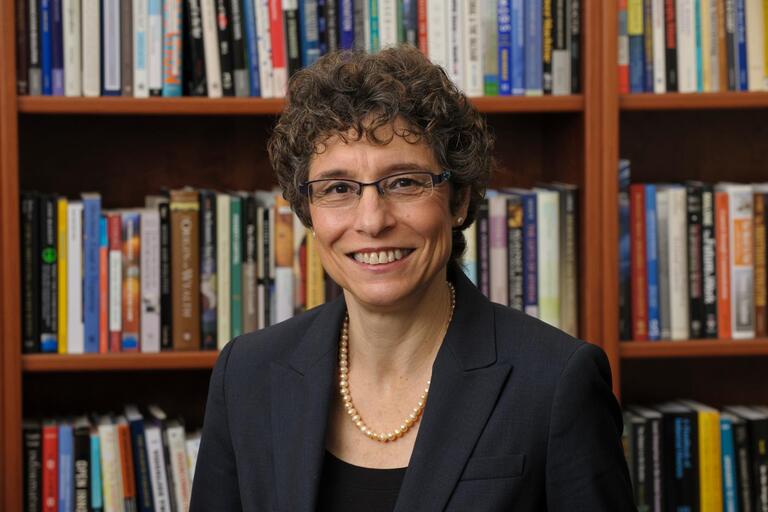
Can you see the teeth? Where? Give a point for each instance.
(378, 258)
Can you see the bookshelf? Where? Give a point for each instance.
(126, 148)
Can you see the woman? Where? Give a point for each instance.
(411, 392)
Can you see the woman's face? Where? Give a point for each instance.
(419, 230)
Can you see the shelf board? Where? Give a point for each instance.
(693, 348)
(694, 101)
(118, 362)
(254, 106)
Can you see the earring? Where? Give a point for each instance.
(313, 234)
(460, 220)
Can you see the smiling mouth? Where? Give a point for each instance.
(380, 257)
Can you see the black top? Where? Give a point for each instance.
(345, 487)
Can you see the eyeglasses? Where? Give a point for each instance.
(401, 188)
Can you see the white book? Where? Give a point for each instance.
(155, 46)
(140, 51)
(111, 44)
(158, 478)
(659, 53)
(211, 48)
(182, 485)
(548, 246)
(264, 44)
(455, 63)
(75, 327)
(741, 254)
(471, 47)
(686, 46)
(714, 44)
(753, 16)
(111, 470)
(497, 227)
(283, 293)
(678, 263)
(437, 33)
(91, 47)
(387, 23)
(192, 446)
(223, 274)
(150, 280)
(73, 73)
(662, 247)
(561, 52)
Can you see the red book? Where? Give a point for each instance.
(50, 466)
(277, 36)
(422, 24)
(723, 266)
(115, 238)
(103, 288)
(623, 66)
(638, 262)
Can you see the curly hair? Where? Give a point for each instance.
(355, 92)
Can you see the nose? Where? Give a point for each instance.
(373, 216)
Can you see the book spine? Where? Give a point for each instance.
(483, 249)
(155, 47)
(66, 467)
(670, 45)
(112, 476)
(174, 504)
(331, 25)
(640, 443)
(548, 249)
(547, 37)
(22, 47)
(678, 265)
(710, 462)
(82, 463)
(497, 227)
(126, 47)
(347, 25)
(758, 438)
(638, 263)
(50, 489)
(141, 463)
(648, 54)
(663, 243)
(32, 458)
(569, 317)
(635, 28)
(178, 458)
(72, 49)
(251, 48)
(741, 262)
(30, 275)
(360, 20)
(533, 47)
(140, 48)
(91, 58)
(471, 59)
(741, 46)
(126, 465)
(722, 245)
(315, 285)
(652, 261)
(250, 291)
(264, 43)
(703, 62)
(291, 28)
(504, 41)
(208, 275)
(731, 49)
(236, 266)
(309, 43)
(103, 285)
(755, 29)
(656, 469)
(322, 27)
(49, 279)
(743, 462)
(283, 259)
(46, 48)
(97, 502)
(223, 248)
(695, 278)
(213, 76)
(150, 280)
(423, 23)
(729, 465)
(575, 45)
(530, 255)
(239, 51)
(686, 45)
(659, 66)
(717, 45)
(91, 236)
(437, 30)
(561, 53)
(115, 281)
(185, 270)
(515, 252)
(625, 268)
(57, 48)
(708, 262)
(268, 232)
(193, 56)
(166, 310)
(761, 312)
(33, 55)
(131, 284)
(224, 32)
(172, 61)
(411, 22)
(279, 60)
(61, 253)
(75, 327)
(374, 42)
(110, 59)
(158, 476)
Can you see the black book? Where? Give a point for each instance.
(250, 240)
(166, 310)
(331, 25)
(573, 7)
(637, 440)
(708, 262)
(126, 47)
(268, 264)
(483, 248)
(322, 26)
(515, 252)
(30, 272)
(670, 44)
(547, 34)
(652, 457)
(695, 280)
(194, 52)
(22, 47)
(144, 500)
(159, 417)
(742, 460)
(291, 26)
(49, 275)
(731, 44)
(208, 274)
(225, 47)
(82, 457)
(33, 465)
(239, 61)
(756, 419)
(680, 444)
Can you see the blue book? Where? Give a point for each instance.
(144, 501)
(97, 499)
(517, 47)
(346, 25)
(504, 20)
(652, 263)
(251, 48)
(699, 46)
(730, 491)
(91, 244)
(308, 32)
(322, 27)
(57, 48)
(533, 48)
(46, 49)
(66, 468)
(741, 47)
(530, 255)
(637, 61)
(625, 287)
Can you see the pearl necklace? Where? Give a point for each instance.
(346, 396)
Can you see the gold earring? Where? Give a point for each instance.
(313, 234)
(460, 220)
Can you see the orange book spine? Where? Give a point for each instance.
(115, 234)
(761, 326)
(103, 286)
(126, 462)
(723, 266)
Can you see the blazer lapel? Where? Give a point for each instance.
(466, 381)
(301, 390)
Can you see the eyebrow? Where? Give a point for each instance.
(400, 166)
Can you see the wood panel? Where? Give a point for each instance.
(133, 362)
(706, 101)
(693, 348)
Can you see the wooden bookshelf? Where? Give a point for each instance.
(694, 101)
(693, 348)
(118, 362)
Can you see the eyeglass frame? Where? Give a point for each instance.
(437, 179)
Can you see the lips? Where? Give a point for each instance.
(380, 257)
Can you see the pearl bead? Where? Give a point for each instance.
(358, 422)
(382, 436)
(355, 417)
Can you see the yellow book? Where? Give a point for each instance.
(315, 273)
(710, 457)
(61, 249)
(706, 45)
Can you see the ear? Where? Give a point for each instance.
(462, 204)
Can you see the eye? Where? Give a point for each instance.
(336, 188)
(401, 182)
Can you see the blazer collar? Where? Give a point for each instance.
(466, 380)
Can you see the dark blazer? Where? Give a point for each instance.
(520, 417)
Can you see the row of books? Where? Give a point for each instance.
(143, 48)
(692, 46)
(522, 252)
(693, 261)
(684, 455)
(189, 271)
(136, 460)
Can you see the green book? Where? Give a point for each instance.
(236, 265)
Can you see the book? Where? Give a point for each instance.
(75, 327)
(131, 282)
(185, 269)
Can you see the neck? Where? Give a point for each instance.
(394, 346)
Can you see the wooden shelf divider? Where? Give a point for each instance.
(118, 362)
(694, 101)
(693, 348)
